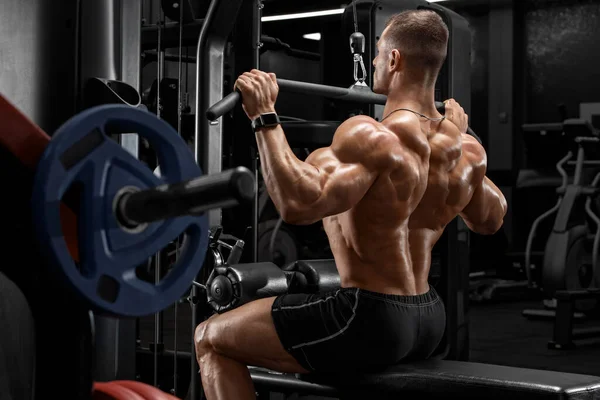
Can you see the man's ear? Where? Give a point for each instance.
(395, 61)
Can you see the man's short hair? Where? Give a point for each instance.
(421, 36)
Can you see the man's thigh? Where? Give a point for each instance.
(296, 333)
(247, 334)
(318, 329)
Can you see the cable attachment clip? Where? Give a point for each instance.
(357, 46)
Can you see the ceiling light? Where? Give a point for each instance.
(311, 14)
(312, 36)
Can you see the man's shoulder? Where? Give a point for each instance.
(368, 124)
(365, 140)
(405, 126)
(359, 125)
(365, 135)
(369, 131)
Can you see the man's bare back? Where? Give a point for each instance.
(384, 242)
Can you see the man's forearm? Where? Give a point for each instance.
(291, 183)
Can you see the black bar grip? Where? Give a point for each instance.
(353, 95)
(223, 106)
(226, 189)
(356, 95)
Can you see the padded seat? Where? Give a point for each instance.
(435, 379)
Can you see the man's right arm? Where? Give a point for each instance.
(485, 212)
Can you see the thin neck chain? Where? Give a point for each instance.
(417, 113)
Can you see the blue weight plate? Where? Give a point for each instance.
(81, 154)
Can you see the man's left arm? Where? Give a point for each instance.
(331, 180)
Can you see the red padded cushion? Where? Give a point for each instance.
(110, 391)
(146, 391)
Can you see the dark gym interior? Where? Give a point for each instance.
(135, 210)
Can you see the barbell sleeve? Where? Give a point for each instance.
(222, 190)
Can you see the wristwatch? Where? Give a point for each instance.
(266, 120)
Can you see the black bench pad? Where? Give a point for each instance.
(435, 379)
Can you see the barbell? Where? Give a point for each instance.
(126, 213)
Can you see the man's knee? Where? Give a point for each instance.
(203, 338)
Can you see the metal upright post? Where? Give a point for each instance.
(130, 39)
(210, 54)
(256, 39)
(158, 317)
(109, 48)
(247, 44)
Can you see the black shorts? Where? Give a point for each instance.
(358, 329)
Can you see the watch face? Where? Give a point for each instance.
(270, 119)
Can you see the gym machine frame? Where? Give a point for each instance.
(210, 55)
(562, 234)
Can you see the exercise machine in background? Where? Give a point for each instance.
(569, 269)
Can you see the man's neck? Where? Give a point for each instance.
(415, 97)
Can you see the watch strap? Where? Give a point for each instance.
(266, 120)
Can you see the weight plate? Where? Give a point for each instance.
(286, 247)
(82, 154)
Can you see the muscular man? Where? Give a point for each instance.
(385, 192)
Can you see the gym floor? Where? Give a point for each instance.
(499, 335)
